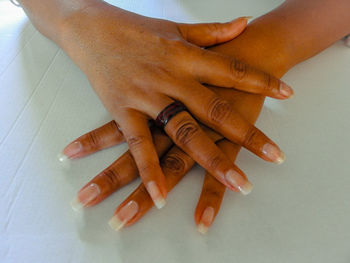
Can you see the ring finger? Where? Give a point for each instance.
(187, 135)
(138, 136)
(212, 192)
(219, 114)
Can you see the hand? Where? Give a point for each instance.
(139, 65)
(175, 164)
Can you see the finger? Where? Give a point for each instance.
(175, 165)
(212, 192)
(118, 174)
(137, 134)
(101, 138)
(208, 34)
(220, 115)
(223, 71)
(186, 134)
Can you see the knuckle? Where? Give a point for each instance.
(267, 82)
(214, 29)
(173, 44)
(214, 161)
(148, 167)
(177, 43)
(214, 26)
(135, 141)
(238, 69)
(212, 193)
(142, 191)
(250, 136)
(112, 177)
(219, 110)
(174, 163)
(186, 130)
(94, 139)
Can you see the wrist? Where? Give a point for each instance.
(260, 48)
(79, 18)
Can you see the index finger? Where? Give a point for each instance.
(223, 71)
(175, 165)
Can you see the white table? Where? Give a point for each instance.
(298, 212)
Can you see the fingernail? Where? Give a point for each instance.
(62, 158)
(155, 194)
(206, 220)
(247, 17)
(85, 196)
(273, 153)
(237, 181)
(124, 215)
(72, 149)
(285, 90)
(68, 152)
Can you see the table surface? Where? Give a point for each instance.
(298, 212)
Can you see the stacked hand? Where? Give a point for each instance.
(174, 162)
(138, 66)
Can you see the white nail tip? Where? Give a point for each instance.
(160, 203)
(202, 228)
(62, 157)
(76, 205)
(155, 194)
(246, 189)
(116, 224)
(281, 159)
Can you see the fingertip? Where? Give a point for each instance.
(285, 90)
(273, 153)
(124, 215)
(201, 228)
(85, 196)
(237, 26)
(62, 157)
(246, 18)
(72, 150)
(236, 180)
(206, 219)
(242, 20)
(156, 195)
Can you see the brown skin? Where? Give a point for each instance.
(135, 83)
(139, 65)
(265, 36)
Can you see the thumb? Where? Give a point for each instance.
(208, 34)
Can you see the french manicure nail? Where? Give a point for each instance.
(273, 153)
(206, 220)
(62, 157)
(247, 17)
(72, 149)
(69, 152)
(85, 196)
(285, 90)
(237, 181)
(155, 194)
(124, 215)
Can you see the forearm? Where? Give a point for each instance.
(283, 38)
(290, 34)
(48, 16)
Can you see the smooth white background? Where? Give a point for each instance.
(298, 212)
